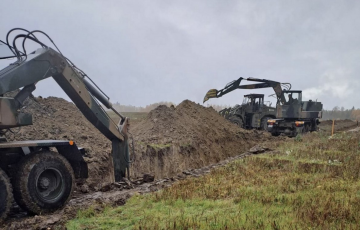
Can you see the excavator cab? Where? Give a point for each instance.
(291, 106)
(253, 102)
(292, 97)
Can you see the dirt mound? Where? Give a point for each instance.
(58, 119)
(171, 140)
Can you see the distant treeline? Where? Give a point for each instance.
(341, 113)
(336, 113)
(148, 108)
(218, 107)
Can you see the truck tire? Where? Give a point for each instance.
(264, 125)
(6, 196)
(237, 120)
(43, 182)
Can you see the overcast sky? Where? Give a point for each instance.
(141, 52)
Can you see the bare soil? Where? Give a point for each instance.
(340, 125)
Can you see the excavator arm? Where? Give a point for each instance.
(45, 62)
(214, 93)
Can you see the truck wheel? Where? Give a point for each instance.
(6, 196)
(275, 134)
(43, 182)
(237, 120)
(264, 124)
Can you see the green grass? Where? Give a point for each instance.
(311, 182)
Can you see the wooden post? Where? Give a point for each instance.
(332, 130)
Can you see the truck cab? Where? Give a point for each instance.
(252, 113)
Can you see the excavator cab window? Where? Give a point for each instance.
(249, 101)
(255, 101)
(292, 98)
(246, 100)
(5, 51)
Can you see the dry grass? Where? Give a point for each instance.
(311, 182)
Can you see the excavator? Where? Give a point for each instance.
(253, 112)
(40, 174)
(292, 116)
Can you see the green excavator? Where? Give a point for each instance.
(253, 112)
(291, 116)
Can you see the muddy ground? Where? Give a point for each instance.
(339, 125)
(171, 143)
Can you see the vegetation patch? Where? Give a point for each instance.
(312, 184)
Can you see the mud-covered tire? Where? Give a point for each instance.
(237, 120)
(275, 134)
(6, 196)
(43, 182)
(264, 125)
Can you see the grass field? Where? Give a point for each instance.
(311, 182)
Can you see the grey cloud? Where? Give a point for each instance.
(140, 52)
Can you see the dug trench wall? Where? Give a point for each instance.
(173, 139)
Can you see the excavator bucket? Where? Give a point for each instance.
(212, 93)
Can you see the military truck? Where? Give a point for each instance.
(295, 116)
(253, 112)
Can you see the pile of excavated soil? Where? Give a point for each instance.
(171, 140)
(58, 119)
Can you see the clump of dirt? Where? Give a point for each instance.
(58, 119)
(171, 140)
